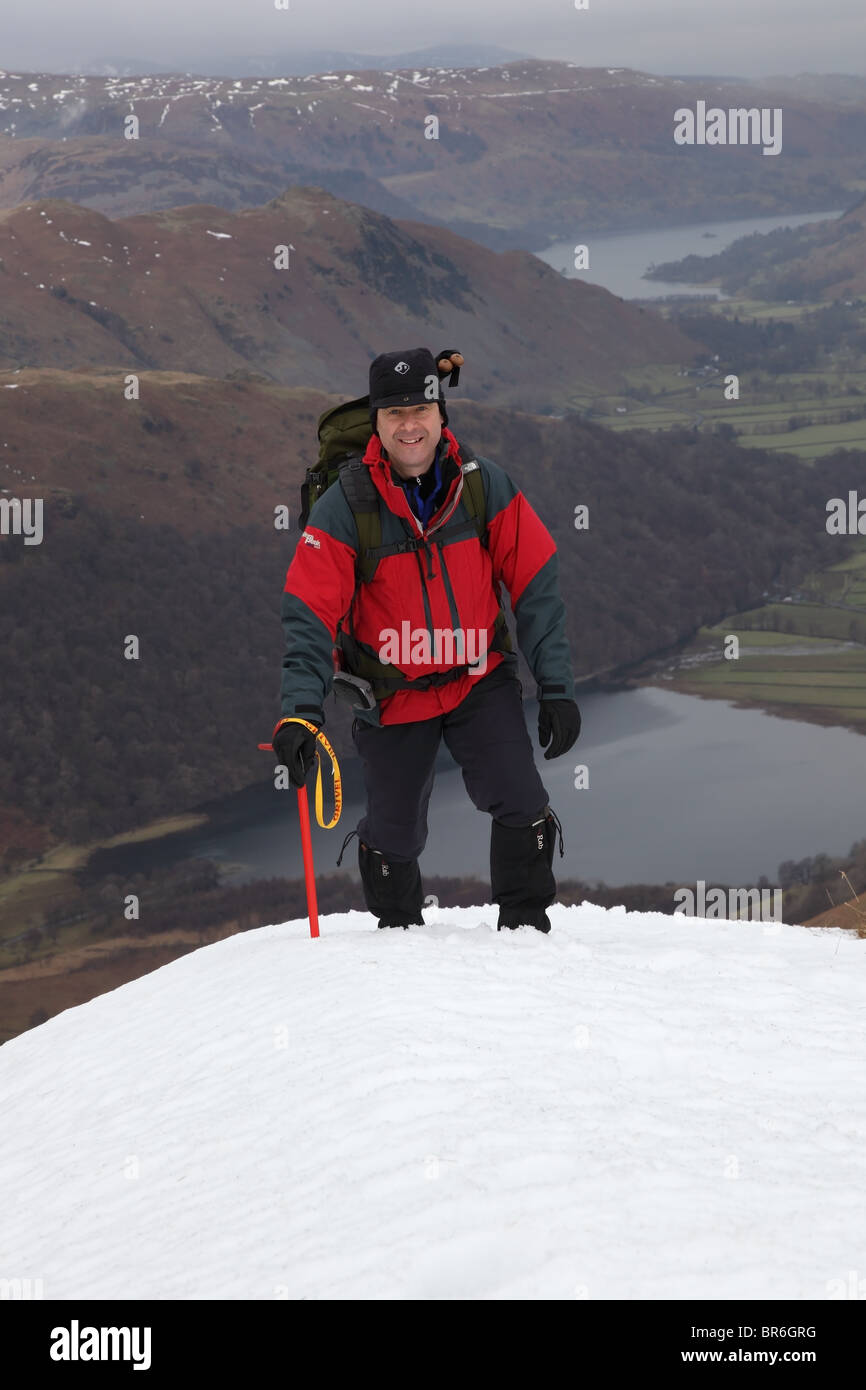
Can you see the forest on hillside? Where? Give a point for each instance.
(776, 346)
(683, 528)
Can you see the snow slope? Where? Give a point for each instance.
(635, 1106)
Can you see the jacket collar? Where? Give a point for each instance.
(375, 452)
(395, 496)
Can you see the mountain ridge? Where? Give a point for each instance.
(196, 289)
(525, 153)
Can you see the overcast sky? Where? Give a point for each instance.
(750, 37)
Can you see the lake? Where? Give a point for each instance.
(618, 262)
(680, 788)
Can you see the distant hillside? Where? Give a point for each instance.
(159, 522)
(834, 264)
(297, 62)
(819, 261)
(195, 290)
(528, 152)
(121, 179)
(843, 88)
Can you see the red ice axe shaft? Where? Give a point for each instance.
(304, 817)
(307, 850)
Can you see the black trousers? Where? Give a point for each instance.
(487, 737)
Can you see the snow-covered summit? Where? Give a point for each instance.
(636, 1106)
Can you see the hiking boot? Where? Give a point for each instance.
(392, 888)
(512, 918)
(521, 871)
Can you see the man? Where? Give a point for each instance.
(429, 624)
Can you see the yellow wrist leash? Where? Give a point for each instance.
(335, 771)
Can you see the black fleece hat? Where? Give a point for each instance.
(405, 378)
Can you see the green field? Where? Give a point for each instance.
(40, 886)
(799, 412)
(806, 657)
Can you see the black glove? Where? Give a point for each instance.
(295, 748)
(558, 725)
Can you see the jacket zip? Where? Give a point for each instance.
(428, 547)
(449, 591)
(428, 614)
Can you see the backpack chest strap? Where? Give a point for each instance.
(365, 502)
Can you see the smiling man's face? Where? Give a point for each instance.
(410, 434)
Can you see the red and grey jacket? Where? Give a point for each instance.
(445, 581)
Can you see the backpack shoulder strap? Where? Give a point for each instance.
(473, 489)
(476, 504)
(363, 499)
